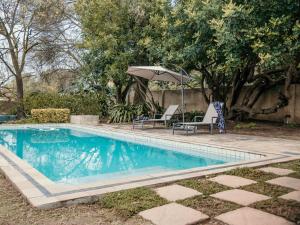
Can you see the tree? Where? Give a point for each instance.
(261, 43)
(5, 77)
(237, 47)
(116, 31)
(23, 25)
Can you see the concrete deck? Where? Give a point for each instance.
(43, 193)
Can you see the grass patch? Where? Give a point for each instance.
(209, 205)
(251, 173)
(245, 126)
(267, 189)
(280, 207)
(206, 187)
(295, 175)
(130, 202)
(292, 165)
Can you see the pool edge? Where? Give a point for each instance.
(44, 194)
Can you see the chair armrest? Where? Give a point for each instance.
(168, 116)
(198, 117)
(212, 119)
(156, 115)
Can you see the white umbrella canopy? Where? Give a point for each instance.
(158, 73)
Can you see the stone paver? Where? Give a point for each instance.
(289, 182)
(232, 181)
(173, 214)
(249, 216)
(240, 197)
(277, 171)
(295, 195)
(176, 192)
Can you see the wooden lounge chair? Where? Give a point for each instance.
(169, 113)
(209, 120)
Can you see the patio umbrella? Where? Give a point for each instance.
(160, 73)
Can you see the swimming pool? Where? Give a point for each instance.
(73, 156)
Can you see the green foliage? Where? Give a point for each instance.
(122, 113)
(79, 104)
(116, 36)
(51, 115)
(225, 41)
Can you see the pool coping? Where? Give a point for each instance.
(43, 193)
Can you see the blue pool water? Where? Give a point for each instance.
(71, 156)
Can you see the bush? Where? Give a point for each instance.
(51, 115)
(122, 113)
(79, 104)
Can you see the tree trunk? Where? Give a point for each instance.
(261, 84)
(20, 97)
(140, 91)
(119, 95)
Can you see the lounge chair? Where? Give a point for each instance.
(210, 119)
(169, 113)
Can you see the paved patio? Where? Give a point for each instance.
(246, 142)
(245, 214)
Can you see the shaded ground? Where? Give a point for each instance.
(265, 129)
(121, 208)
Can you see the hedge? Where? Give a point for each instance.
(51, 115)
(79, 104)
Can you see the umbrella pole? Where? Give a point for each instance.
(182, 96)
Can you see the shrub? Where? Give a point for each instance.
(51, 115)
(122, 113)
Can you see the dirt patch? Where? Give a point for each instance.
(15, 210)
